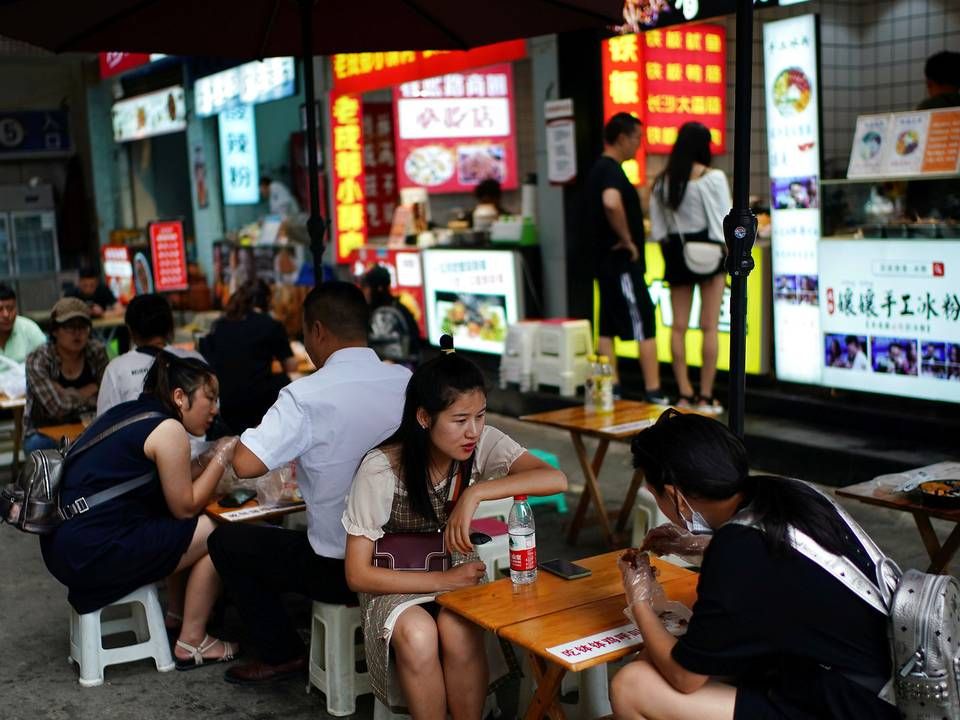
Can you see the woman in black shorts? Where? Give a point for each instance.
(688, 199)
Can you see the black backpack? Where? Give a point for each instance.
(32, 502)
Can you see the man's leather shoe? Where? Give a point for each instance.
(260, 672)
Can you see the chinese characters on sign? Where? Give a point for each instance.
(456, 130)
(598, 644)
(168, 255)
(34, 132)
(248, 84)
(561, 141)
(890, 313)
(362, 72)
(906, 144)
(118, 271)
(380, 166)
(623, 91)
(684, 72)
(346, 127)
(238, 156)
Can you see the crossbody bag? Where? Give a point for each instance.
(701, 254)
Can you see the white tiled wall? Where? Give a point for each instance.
(872, 58)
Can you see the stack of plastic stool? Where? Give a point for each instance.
(560, 499)
(561, 354)
(516, 363)
(146, 622)
(333, 657)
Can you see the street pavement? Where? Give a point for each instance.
(39, 684)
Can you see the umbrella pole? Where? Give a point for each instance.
(315, 223)
(740, 226)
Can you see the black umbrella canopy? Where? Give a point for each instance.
(267, 28)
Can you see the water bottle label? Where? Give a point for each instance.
(523, 552)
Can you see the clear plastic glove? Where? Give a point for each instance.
(670, 539)
(221, 452)
(640, 580)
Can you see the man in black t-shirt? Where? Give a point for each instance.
(94, 293)
(614, 227)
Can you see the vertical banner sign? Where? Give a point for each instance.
(380, 167)
(561, 132)
(169, 256)
(455, 131)
(238, 156)
(684, 74)
(350, 221)
(621, 63)
(793, 148)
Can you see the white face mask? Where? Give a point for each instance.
(697, 524)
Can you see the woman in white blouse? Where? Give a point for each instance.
(690, 198)
(404, 486)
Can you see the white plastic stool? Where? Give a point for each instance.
(594, 692)
(561, 356)
(499, 509)
(145, 621)
(646, 516)
(516, 363)
(333, 657)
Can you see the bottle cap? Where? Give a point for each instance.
(520, 498)
(604, 359)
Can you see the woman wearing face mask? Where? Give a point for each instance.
(404, 486)
(153, 531)
(793, 641)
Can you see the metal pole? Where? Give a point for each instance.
(315, 223)
(740, 226)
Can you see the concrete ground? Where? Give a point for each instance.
(38, 684)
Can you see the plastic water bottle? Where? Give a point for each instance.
(589, 385)
(523, 542)
(604, 402)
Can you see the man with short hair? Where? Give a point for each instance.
(326, 422)
(942, 73)
(149, 319)
(19, 336)
(614, 226)
(94, 293)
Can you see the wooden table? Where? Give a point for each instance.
(882, 494)
(553, 611)
(71, 431)
(252, 511)
(15, 406)
(628, 419)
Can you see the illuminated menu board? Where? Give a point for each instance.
(621, 64)
(457, 130)
(350, 222)
(247, 84)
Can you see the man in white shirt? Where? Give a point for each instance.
(326, 422)
(279, 197)
(150, 321)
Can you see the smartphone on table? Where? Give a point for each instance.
(565, 569)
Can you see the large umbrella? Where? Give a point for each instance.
(269, 28)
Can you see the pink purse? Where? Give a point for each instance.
(416, 551)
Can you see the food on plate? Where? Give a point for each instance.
(792, 91)
(430, 165)
(480, 162)
(907, 142)
(473, 317)
(942, 488)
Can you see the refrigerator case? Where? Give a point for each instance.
(29, 255)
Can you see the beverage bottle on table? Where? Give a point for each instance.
(523, 542)
(589, 396)
(604, 401)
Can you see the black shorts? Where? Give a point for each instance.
(676, 271)
(626, 310)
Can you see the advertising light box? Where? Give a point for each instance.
(472, 295)
(793, 149)
(890, 317)
(240, 174)
(247, 84)
(156, 113)
(457, 130)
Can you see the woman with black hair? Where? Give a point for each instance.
(241, 347)
(405, 486)
(689, 201)
(794, 641)
(152, 531)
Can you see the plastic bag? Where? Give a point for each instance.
(670, 539)
(13, 378)
(278, 487)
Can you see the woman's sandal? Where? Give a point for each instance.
(687, 402)
(197, 659)
(709, 405)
